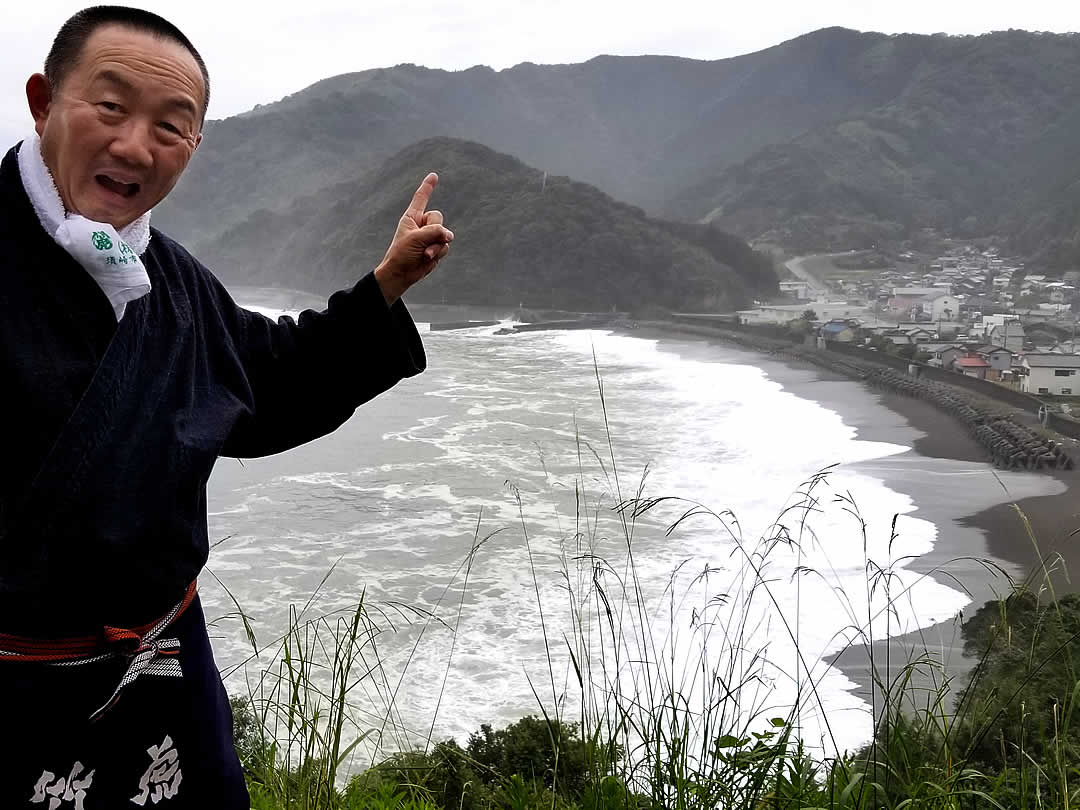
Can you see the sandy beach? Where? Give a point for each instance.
(975, 540)
(982, 543)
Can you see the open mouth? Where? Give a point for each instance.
(126, 190)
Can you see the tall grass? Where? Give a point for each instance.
(662, 696)
(327, 698)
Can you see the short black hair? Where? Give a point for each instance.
(70, 39)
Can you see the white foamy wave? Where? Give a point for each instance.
(272, 312)
(505, 435)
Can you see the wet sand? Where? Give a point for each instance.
(983, 546)
(1053, 519)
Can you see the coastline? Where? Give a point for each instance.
(1053, 517)
(982, 542)
(973, 513)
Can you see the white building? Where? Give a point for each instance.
(941, 306)
(1051, 374)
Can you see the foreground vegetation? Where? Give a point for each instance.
(1011, 741)
(650, 731)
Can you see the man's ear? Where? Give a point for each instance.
(39, 98)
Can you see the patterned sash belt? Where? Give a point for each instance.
(147, 652)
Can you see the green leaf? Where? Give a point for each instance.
(730, 741)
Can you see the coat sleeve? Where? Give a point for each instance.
(294, 381)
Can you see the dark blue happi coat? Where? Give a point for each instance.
(110, 432)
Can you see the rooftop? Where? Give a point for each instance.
(1052, 360)
(937, 347)
(970, 362)
(914, 292)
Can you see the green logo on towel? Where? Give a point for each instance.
(101, 240)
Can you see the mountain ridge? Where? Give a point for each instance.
(957, 151)
(834, 139)
(631, 125)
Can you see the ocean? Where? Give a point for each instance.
(474, 508)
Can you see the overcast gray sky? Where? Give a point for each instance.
(259, 52)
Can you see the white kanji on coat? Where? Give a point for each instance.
(162, 778)
(57, 791)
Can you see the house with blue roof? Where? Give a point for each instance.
(838, 332)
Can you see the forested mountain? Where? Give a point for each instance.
(983, 140)
(834, 139)
(522, 238)
(1044, 222)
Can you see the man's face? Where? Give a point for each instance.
(123, 124)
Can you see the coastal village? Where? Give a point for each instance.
(969, 311)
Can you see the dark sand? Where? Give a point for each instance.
(1053, 519)
(1008, 543)
(1047, 542)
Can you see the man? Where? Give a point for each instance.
(127, 371)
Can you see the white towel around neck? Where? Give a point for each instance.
(111, 258)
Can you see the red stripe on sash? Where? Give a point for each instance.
(111, 641)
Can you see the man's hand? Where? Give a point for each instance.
(418, 244)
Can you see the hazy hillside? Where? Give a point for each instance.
(520, 239)
(641, 128)
(1045, 220)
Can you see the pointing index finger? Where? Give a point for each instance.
(423, 194)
